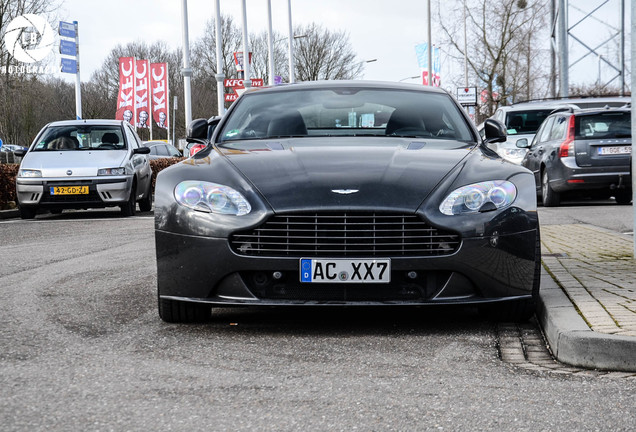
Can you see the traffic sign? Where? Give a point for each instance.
(67, 29)
(68, 48)
(467, 95)
(69, 65)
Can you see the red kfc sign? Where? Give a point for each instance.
(231, 97)
(159, 90)
(238, 83)
(142, 93)
(125, 105)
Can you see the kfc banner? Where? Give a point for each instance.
(125, 105)
(160, 93)
(142, 93)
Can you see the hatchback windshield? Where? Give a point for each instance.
(81, 137)
(346, 112)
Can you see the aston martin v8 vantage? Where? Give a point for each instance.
(346, 193)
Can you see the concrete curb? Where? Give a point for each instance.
(573, 342)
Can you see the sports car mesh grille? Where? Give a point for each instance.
(344, 234)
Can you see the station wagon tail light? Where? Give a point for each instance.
(29, 173)
(479, 197)
(567, 147)
(211, 198)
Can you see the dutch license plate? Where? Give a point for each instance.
(614, 150)
(340, 270)
(69, 190)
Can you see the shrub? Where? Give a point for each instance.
(158, 164)
(8, 173)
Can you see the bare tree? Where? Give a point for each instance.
(502, 52)
(324, 55)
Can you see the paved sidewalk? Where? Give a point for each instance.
(595, 269)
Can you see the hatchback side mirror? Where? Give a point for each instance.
(141, 150)
(495, 131)
(522, 143)
(19, 153)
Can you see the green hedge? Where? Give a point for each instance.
(8, 173)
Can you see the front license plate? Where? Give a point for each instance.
(340, 270)
(69, 190)
(614, 150)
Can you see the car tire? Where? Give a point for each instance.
(549, 197)
(145, 204)
(130, 207)
(28, 212)
(623, 197)
(517, 310)
(173, 311)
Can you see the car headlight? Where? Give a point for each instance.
(488, 195)
(29, 173)
(211, 198)
(111, 171)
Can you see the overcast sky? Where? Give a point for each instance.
(386, 30)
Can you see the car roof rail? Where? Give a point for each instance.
(562, 109)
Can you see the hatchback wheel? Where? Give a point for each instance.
(623, 197)
(129, 208)
(145, 204)
(27, 212)
(550, 198)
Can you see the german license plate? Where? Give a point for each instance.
(614, 150)
(69, 190)
(339, 270)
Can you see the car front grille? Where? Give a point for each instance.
(335, 234)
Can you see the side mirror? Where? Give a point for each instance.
(495, 131)
(523, 143)
(197, 131)
(141, 150)
(19, 153)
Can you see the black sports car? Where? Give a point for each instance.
(346, 193)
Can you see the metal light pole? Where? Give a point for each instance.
(247, 82)
(220, 76)
(186, 71)
(270, 43)
(78, 82)
(430, 46)
(292, 78)
(633, 170)
(563, 50)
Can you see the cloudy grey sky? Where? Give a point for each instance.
(386, 30)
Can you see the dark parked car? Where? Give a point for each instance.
(161, 149)
(582, 152)
(347, 193)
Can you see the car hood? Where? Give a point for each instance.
(390, 174)
(82, 163)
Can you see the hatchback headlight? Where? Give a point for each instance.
(29, 173)
(111, 171)
(492, 195)
(211, 198)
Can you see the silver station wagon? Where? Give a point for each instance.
(83, 164)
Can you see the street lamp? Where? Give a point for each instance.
(271, 56)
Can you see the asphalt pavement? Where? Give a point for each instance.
(587, 306)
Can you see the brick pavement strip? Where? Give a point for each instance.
(596, 269)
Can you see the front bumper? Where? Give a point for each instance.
(103, 192)
(484, 269)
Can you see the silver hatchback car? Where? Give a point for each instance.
(83, 164)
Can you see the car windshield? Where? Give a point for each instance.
(346, 112)
(81, 137)
(525, 122)
(604, 125)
